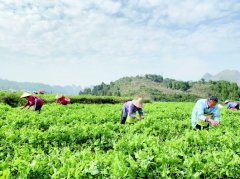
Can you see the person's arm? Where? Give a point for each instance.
(31, 101)
(229, 105)
(216, 117)
(215, 123)
(140, 112)
(24, 105)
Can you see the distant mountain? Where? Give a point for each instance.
(227, 75)
(28, 86)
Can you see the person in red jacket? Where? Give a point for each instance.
(32, 101)
(62, 100)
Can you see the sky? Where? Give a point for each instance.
(87, 42)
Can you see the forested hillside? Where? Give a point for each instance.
(158, 88)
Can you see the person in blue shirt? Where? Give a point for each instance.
(205, 113)
(232, 105)
(130, 108)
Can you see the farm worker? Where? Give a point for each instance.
(62, 99)
(130, 108)
(32, 101)
(205, 113)
(232, 105)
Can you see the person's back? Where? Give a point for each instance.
(39, 101)
(65, 100)
(62, 100)
(232, 105)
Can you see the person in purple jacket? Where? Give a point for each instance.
(130, 108)
(232, 105)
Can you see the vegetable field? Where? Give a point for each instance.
(87, 141)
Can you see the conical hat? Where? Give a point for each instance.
(25, 95)
(226, 101)
(58, 96)
(138, 102)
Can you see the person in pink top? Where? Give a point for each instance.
(32, 101)
(62, 100)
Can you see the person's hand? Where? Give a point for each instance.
(140, 118)
(215, 123)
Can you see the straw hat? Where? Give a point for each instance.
(226, 101)
(58, 96)
(25, 95)
(138, 102)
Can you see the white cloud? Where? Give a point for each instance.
(117, 37)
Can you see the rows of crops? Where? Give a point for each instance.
(87, 141)
(14, 100)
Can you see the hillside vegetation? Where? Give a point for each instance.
(150, 87)
(157, 88)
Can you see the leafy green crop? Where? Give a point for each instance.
(88, 141)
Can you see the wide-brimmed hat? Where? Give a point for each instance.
(25, 95)
(58, 96)
(138, 102)
(226, 101)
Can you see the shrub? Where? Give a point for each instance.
(11, 100)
